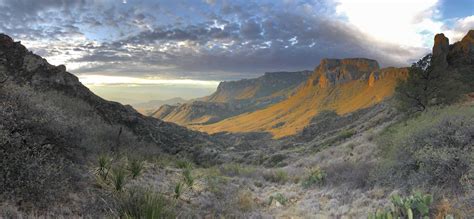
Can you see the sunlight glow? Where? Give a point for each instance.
(103, 80)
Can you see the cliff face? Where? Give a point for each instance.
(342, 85)
(270, 85)
(233, 98)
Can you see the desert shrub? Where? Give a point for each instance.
(118, 178)
(236, 169)
(135, 167)
(215, 182)
(276, 176)
(344, 134)
(245, 201)
(140, 203)
(433, 150)
(354, 174)
(316, 176)
(278, 197)
(276, 160)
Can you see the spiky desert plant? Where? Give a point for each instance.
(188, 177)
(184, 164)
(178, 190)
(118, 178)
(104, 163)
(135, 167)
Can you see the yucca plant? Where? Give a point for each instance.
(104, 164)
(188, 177)
(178, 190)
(184, 164)
(135, 167)
(118, 178)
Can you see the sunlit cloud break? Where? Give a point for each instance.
(103, 80)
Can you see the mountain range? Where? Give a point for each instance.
(234, 98)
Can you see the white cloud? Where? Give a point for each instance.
(408, 23)
(460, 28)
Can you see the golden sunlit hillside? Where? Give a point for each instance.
(341, 85)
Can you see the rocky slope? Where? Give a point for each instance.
(342, 85)
(233, 98)
(25, 68)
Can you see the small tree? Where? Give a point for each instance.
(427, 86)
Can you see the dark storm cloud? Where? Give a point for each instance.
(208, 40)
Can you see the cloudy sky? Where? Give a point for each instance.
(137, 50)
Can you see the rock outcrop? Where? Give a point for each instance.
(440, 51)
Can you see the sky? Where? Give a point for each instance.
(137, 50)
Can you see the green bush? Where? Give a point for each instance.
(345, 134)
(140, 203)
(316, 176)
(135, 167)
(278, 197)
(276, 176)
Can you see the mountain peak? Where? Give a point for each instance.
(337, 71)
